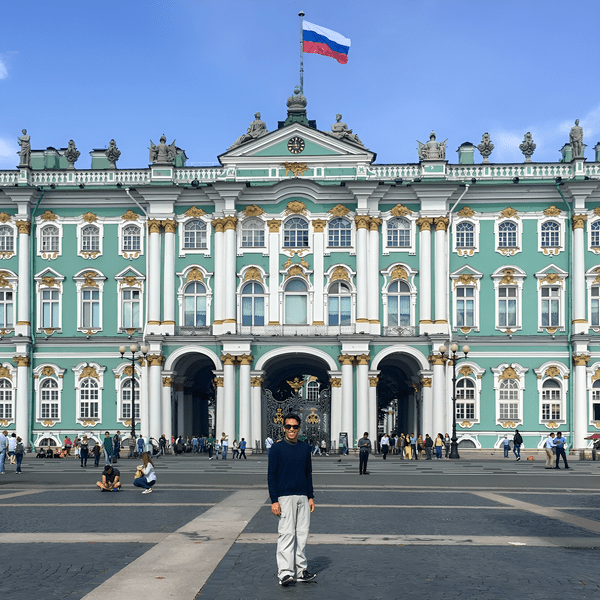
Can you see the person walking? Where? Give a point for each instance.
(84, 450)
(107, 443)
(140, 445)
(96, 451)
(506, 444)
(162, 444)
(517, 441)
(117, 444)
(292, 500)
(131, 446)
(448, 445)
(420, 447)
(428, 445)
(224, 445)
(210, 442)
(385, 445)
(364, 449)
(194, 445)
(317, 448)
(146, 477)
(236, 449)
(560, 443)
(19, 453)
(549, 448)
(268, 444)
(407, 447)
(413, 446)
(3, 449)
(324, 447)
(68, 444)
(438, 444)
(402, 442)
(217, 448)
(242, 449)
(12, 444)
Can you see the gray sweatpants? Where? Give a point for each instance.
(294, 524)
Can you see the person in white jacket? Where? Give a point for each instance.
(147, 477)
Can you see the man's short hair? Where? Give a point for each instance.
(292, 416)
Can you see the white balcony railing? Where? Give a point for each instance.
(400, 331)
(195, 331)
(296, 330)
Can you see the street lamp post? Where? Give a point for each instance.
(454, 358)
(133, 349)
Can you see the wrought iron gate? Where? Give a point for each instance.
(314, 414)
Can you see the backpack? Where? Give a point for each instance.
(20, 449)
(518, 439)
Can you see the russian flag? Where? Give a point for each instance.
(319, 40)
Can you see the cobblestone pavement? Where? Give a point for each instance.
(484, 530)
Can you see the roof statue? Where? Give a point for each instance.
(297, 102)
(257, 129)
(72, 154)
(527, 146)
(576, 140)
(25, 152)
(112, 153)
(432, 150)
(162, 153)
(485, 147)
(341, 132)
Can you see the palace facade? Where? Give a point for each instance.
(300, 274)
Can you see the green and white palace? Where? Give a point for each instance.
(301, 274)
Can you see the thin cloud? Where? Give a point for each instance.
(3, 69)
(8, 154)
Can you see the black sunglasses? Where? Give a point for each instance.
(291, 426)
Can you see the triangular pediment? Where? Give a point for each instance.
(317, 146)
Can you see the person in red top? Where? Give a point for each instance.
(68, 444)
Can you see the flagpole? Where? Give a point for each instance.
(301, 15)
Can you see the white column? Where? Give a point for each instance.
(155, 362)
(228, 396)
(440, 275)
(167, 414)
(23, 308)
(424, 271)
(439, 421)
(154, 282)
(362, 230)
(336, 407)
(219, 278)
(374, 291)
(427, 407)
(579, 292)
(580, 403)
(256, 411)
(274, 226)
(347, 397)
(362, 395)
(245, 424)
(229, 321)
(373, 409)
(144, 401)
(170, 226)
(181, 411)
(22, 408)
(318, 271)
(218, 421)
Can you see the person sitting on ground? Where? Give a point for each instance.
(145, 475)
(110, 479)
(49, 453)
(41, 453)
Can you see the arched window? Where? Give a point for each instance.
(88, 399)
(398, 304)
(131, 238)
(340, 231)
(50, 239)
(508, 408)
(551, 400)
(312, 391)
(194, 235)
(340, 304)
(507, 235)
(596, 400)
(295, 233)
(49, 399)
(253, 304)
(253, 233)
(126, 399)
(6, 309)
(595, 243)
(465, 235)
(550, 234)
(296, 302)
(6, 399)
(398, 233)
(90, 239)
(194, 314)
(7, 239)
(465, 399)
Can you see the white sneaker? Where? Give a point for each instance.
(148, 491)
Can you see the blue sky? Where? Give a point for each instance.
(198, 70)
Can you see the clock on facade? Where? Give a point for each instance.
(296, 145)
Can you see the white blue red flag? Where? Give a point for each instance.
(319, 40)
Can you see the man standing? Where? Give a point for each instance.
(517, 441)
(108, 448)
(3, 449)
(243, 449)
(506, 444)
(364, 447)
(549, 447)
(385, 445)
(162, 444)
(131, 445)
(413, 446)
(291, 492)
(560, 443)
(141, 445)
(117, 444)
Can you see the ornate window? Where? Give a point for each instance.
(595, 234)
(194, 235)
(253, 233)
(296, 302)
(508, 406)
(50, 313)
(7, 239)
(465, 298)
(507, 235)
(595, 306)
(465, 235)
(49, 399)
(398, 233)
(131, 238)
(90, 308)
(6, 399)
(551, 282)
(90, 286)
(195, 305)
(340, 233)
(89, 399)
(126, 398)
(48, 384)
(550, 315)
(465, 306)
(6, 309)
(295, 233)
(90, 239)
(340, 304)
(312, 391)
(550, 234)
(595, 412)
(49, 300)
(398, 304)
(398, 299)
(130, 308)
(509, 386)
(50, 241)
(465, 399)
(551, 400)
(253, 304)
(552, 388)
(507, 306)
(508, 283)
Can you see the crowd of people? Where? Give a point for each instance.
(411, 447)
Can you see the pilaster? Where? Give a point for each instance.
(374, 288)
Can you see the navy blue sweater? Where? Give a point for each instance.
(290, 470)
